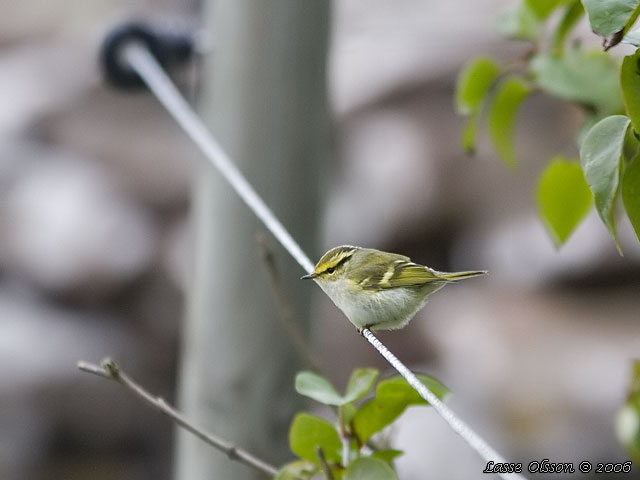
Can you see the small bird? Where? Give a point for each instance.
(378, 290)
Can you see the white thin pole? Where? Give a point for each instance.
(143, 62)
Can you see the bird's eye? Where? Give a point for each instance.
(331, 269)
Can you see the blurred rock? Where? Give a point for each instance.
(376, 50)
(24, 21)
(35, 344)
(520, 250)
(386, 183)
(52, 412)
(135, 139)
(67, 226)
(41, 76)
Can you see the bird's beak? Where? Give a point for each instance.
(307, 277)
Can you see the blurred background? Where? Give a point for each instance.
(96, 244)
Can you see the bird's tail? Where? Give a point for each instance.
(455, 276)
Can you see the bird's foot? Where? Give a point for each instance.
(361, 330)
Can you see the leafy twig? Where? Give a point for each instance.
(110, 370)
(323, 463)
(345, 438)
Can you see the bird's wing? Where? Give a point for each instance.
(401, 273)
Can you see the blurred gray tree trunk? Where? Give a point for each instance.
(265, 100)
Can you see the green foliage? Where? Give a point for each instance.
(563, 198)
(608, 17)
(572, 14)
(594, 81)
(473, 84)
(392, 398)
(369, 468)
(543, 8)
(320, 389)
(628, 417)
(387, 455)
(308, 432)
(397, 389)
(502, 114)
(360, 383)
(297, 470)
(520, 23)
(630, 84)
(358, 419)
(586, 77)
(631, 193)
(632, 38)
(601, 160)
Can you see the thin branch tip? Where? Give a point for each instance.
(110, 368)
(92, 368)
(82, 365)
(323, 463)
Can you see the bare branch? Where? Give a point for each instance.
(285, 310)
(110, 370)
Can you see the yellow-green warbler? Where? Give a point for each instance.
(378, 290)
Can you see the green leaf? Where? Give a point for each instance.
(631, 193)
(474, 82)
(587, 77)
(634, 384)
(609, 16)
(632, 38)
(628, 416)
(468, 138)
(587, 124)
(627, 428)
(397, 389)
(543, 8)
(321, 390)
(297, 470)
(502, 115)
(369, 468)
(387, 455)
(317, 387)
(630, 82)
(572, 14)
(600, 157)
(615, 39)
(472, 87)
(521, 23)
(393, 396)
(631, 146)
(373, 416)
(563, 198)
(347, 412)
(308, 432)
(360, 382)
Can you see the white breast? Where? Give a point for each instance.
(384, 309)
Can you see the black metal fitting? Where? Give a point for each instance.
(168, 47)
